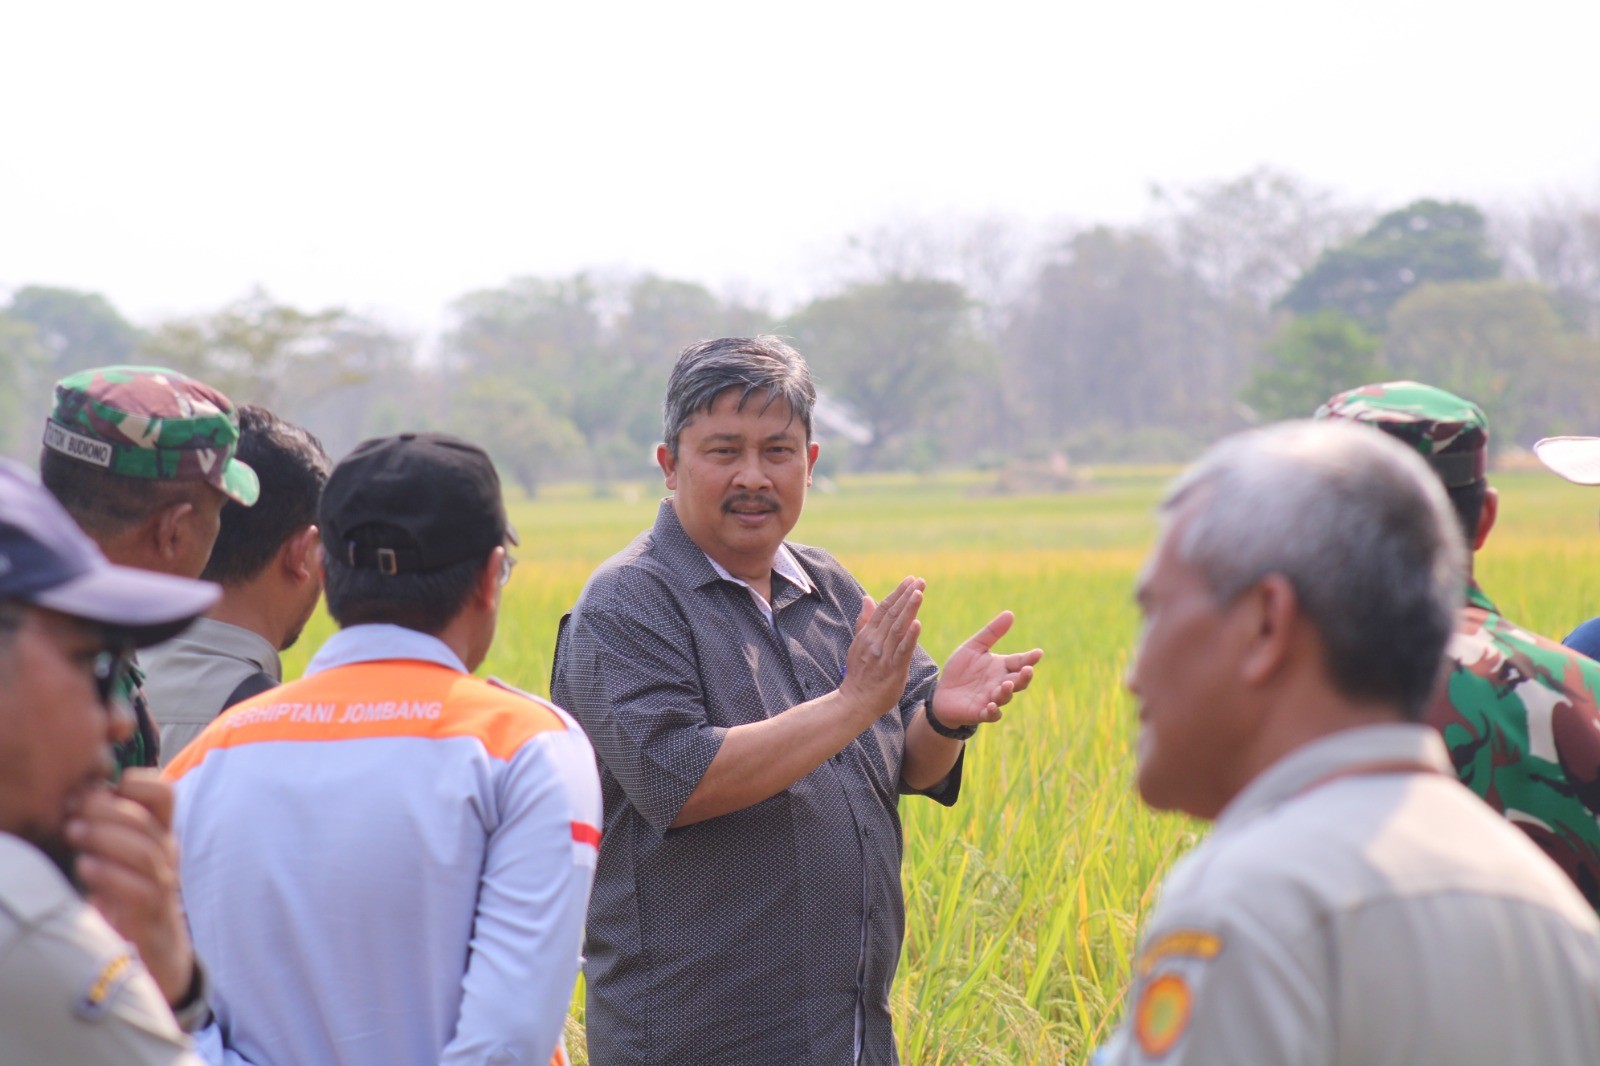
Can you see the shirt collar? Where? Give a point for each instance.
(379, 641)
(1346, 750)
(784, 564)
(245, 643)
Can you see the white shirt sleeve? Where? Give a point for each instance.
(528, 933)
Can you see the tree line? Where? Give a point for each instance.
(967, 342)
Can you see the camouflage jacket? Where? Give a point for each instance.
(1521, 717)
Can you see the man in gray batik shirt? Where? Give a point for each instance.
(756, 718)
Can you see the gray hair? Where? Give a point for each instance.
(1359, 526)
(753, 364)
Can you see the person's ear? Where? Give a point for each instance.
(172, 528)
(1271, 613)
(668, 464)
(813, 449)
(299, 556)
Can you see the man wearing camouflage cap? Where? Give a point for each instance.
(143, 460)
(1519, 713)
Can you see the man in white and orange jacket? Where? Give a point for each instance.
(388, 861)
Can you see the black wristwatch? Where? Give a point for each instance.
(959, 733)
(193, 1011)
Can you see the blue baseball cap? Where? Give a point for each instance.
(46, 560)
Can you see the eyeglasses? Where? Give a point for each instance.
(508, 563)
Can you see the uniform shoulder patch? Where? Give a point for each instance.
(1162, 1014)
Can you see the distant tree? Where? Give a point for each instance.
(25, 367)
(1556, 243)
(513, 422)
(1309, 360)
(330, 370)
(515, 357)
(899, 352)
(1502, 345)
(993, 258)
(1427, 241)
(1101, 346)
(1248, 238)
(79, 329)
(259, 351)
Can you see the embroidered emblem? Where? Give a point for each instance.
(1162, 1014)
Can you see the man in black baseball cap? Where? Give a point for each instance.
(71, 988)
(415, 503)
(417, 814)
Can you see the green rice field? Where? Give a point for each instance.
(1024, 901)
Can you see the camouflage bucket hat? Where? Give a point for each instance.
(150, 422)
(1452, 434)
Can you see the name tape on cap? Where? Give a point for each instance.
(59, 438)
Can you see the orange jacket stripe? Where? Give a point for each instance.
(338, 704)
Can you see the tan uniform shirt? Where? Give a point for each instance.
(188, 678)
(1344, 913)
(72, 992)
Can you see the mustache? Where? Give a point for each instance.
(748, 501)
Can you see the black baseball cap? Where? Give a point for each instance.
(46, 560)
(413, 503)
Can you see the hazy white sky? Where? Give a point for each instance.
(391, 156)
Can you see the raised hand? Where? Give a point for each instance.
(879, 658)
(128, 865)
(976, 682)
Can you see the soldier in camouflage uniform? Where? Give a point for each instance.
(1519, 713)
(142, 458)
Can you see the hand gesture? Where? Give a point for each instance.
(128, 865)
(976, 683)
(879, 659)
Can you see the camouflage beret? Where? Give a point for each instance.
(1452, 434)
(150, 422)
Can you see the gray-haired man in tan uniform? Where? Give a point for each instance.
(1354, 904)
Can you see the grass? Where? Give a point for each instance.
(1025, 900)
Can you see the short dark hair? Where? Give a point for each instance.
(292, 467)
(106, 504)
(425, 601)
(706, 370)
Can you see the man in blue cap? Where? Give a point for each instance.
(94, 953)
